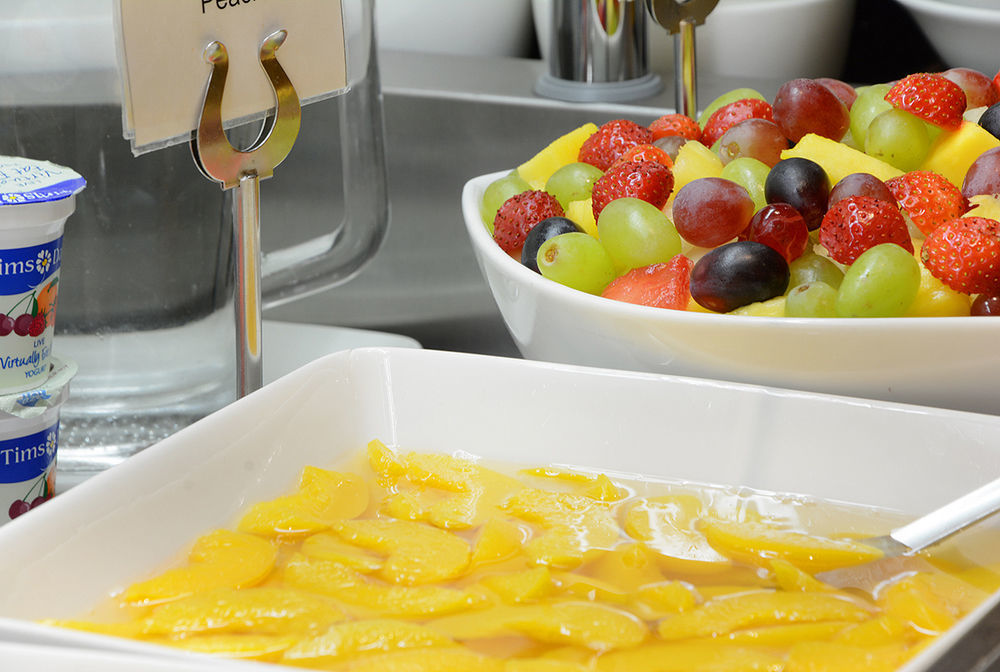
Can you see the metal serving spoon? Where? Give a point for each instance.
(901, 544)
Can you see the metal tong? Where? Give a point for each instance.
(243, 170)
(680, 17)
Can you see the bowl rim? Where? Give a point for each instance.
(484, 244)
(953, 11)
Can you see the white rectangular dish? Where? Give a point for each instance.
(63, 558)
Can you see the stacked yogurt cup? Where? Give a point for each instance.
(36, 199)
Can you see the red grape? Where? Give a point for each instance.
(804, 106)
(978, 88)
(983, 176)
(711, 210)
(781, 227)
(755, 138)
(860, 184)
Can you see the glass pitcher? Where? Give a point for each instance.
(146, 294)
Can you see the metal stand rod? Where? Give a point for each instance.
(243, 170)
(684, 70)
(246, 243)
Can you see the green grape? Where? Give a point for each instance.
(496, 193)
(898, 138)
(636, 234)
(750, 174)
(882, 282)
(869, 104)
(573, 182)
(811, 299)
(811, 267)
(577, 260)
(726, 98)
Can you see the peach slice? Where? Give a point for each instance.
(587, 624)
(346, 640)
(686, 656)
(263, 648)
(839, 657)
(416, 553)
(429, 659)
(373, 598)
(322, 498)
(258, 611)
(666, 524)
(219, 559)
(572, 525)
(498, 540)
(327, 546)
(758, 543)
(757, 609)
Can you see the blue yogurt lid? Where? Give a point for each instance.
(30, 181)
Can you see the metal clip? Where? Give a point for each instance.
(219, 161)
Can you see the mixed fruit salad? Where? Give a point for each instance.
(827, 201)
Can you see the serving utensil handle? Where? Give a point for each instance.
(950, 518)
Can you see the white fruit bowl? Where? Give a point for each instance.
(962, 31)
(61, 559)
(943, 362)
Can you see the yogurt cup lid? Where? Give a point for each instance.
(30, 181)
(37, 400)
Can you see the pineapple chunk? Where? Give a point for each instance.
(582, 214)
(953, 152)
(537, 170)
(839, 160)
(694, 160)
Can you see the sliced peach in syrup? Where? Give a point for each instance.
(219, 559)
(416, 553)
(757, 609)
(347, 640)
(759, 543)
(665, 524)
(687, 656)
(571, 525)
(372, 598)
(259, 611)
(322, 498)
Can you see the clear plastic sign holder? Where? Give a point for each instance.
(680, 17)
(243, 170)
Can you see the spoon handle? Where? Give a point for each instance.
(953, 517)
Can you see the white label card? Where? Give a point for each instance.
(161, 49)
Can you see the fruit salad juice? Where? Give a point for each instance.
(36, 198)
(826, 201)
(416, 561)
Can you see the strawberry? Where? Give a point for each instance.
(932, 97)
(663, 285)
(519, 214)
(729, 115)
(856, 223)
(963, 254)
(612, 140)
(646, 153)
(996, 82)
(649, 181)
(675, 124)
(929, 199)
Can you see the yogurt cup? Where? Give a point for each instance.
(29, 439)
(36, 198)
